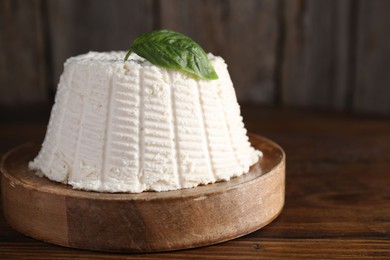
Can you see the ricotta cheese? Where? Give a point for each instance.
(132, 126)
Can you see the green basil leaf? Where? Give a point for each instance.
(175, 51)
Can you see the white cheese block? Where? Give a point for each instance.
(132, 126)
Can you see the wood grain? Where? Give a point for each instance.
(239, 31)
(144, 222)
(78, 27)
(266, 248)
(337, 191)
(315, 54)
(23, 70)
(315, 65)
(373, 58)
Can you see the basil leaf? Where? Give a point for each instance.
(173, 50)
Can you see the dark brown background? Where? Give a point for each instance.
(318, 54)
(315, 54)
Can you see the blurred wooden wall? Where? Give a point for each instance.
(306, 53)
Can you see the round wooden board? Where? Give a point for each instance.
(144, 222)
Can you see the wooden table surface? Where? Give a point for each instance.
(337, 191)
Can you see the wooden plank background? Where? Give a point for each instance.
(303, 53)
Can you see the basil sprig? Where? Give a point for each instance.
(175, 51)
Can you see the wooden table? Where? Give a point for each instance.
(337, 191)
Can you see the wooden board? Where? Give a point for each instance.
(144, 222)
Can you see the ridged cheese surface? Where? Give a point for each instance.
(131, 126)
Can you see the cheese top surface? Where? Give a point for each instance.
(132, 126)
